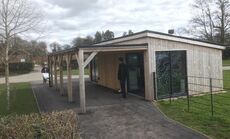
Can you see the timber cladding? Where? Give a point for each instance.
(108, 69)
(201, 62)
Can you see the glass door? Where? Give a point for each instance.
(171, 73)
(135, 67)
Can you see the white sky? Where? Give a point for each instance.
(67, 19)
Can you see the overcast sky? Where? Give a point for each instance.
(67, 19)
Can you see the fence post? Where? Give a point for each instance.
(187, 93)
(211, 91)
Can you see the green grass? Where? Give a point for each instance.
(199, 117)
(76, 72)
(22, 100)
(226, 62)
(226, 78)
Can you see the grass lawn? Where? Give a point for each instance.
(76, 72)
(199, 117)
(22, 100)
(226, 62)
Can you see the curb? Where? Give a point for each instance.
(174, 121)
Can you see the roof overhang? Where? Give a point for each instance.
(113, 48)
(185, 40)
(103, 48)
(163, 36)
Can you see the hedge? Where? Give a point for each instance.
(23, 67)
(55, 125)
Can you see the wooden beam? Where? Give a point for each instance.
(115, 49)
(76, 55)
(49, 66)
(51, 71)
(81, 80)
(61, 75)
(69, 75)
(92, 55)
(55, 73)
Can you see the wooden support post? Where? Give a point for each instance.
(69, 75)
(51, 71)
(49, 65)
(55, 73)
(61, 75)
(81, 80)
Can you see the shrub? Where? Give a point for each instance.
(19, 68)
(56, 125)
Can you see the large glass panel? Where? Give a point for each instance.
(171, 73)
(178, 70)
(135, 67)
(163, 74)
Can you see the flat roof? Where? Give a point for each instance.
(164, 36)
(143, 34)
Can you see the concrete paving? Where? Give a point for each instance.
(111, 117)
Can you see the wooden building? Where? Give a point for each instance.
(159, 65)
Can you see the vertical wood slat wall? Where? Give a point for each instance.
(201, 61)
(108, 69)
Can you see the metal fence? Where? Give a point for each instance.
(206, 94)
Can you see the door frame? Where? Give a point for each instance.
(186, 71)
(143, 66)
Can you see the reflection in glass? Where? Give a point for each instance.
(171, 73)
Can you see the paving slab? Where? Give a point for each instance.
(111, 117)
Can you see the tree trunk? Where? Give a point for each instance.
(7, 76)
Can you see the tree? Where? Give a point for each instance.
(66, 46)
(16, 17)
(212, 20)
(124, 33)
(55, 46)
(107, 35)
(202, 22)
(98, 37)
(80, 41)
(222, 23)
(130, 32)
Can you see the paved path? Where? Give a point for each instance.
(34, 76)
(226, 68)
(111, 117)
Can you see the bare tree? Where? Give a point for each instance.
(211, 20)
(55, 46)
(16, 17)
(202, 22)
(222, 17)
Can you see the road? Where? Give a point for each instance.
(34, 76)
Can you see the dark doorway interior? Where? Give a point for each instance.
(135, 66)
(94, 70)
(171, 73)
